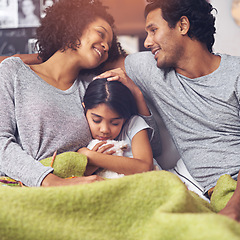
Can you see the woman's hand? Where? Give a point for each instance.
(120, 75)
(52, 180)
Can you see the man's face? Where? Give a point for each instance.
(164, 42)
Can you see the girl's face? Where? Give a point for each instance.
(95, 43)
(104, 123)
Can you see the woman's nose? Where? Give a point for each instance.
(105, 46)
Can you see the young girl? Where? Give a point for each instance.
(111, 112)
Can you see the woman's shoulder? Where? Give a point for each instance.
(12, 62)
(10, 70)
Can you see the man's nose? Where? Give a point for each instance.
(148, 42)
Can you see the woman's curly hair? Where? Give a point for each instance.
(64, 24)
(198, 12)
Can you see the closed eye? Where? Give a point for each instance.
(96, 121)
(101, 34)
(115, 124)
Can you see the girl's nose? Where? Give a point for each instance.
(104, 128)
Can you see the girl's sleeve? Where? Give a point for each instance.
(155, 139)
(14, 161)
(137, 69)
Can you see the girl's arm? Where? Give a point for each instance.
(142, 160)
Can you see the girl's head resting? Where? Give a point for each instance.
(108, 105)
(66, 21)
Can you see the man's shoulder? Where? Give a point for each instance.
(232, 60)
(141, 56)
(141, 62)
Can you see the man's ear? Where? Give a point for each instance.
(184, 25)
(83, 105)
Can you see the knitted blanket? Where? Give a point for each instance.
(152, 205)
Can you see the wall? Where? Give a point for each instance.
(130, 21)
(18, 22)
(228, 32)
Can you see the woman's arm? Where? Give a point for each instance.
(142, 160)
(52, 180)
(15, 160)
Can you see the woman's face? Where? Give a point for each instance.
(104, 123)
(95, 43)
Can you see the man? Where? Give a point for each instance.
(196, 92)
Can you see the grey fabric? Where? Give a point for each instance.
(201, 114)
(35, 120)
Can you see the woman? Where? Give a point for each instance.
(41, 107)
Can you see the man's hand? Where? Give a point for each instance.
(231, 212)
(232, 209)
(120, 75)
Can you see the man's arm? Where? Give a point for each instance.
(2, 58)
(232, 208)
(26, 58)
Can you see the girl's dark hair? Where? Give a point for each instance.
(64, 24)
(198, 12)
(113, 93)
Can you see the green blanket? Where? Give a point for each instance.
(147, 206)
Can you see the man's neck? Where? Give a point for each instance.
(198, 62)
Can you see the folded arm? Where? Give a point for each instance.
(141, 162)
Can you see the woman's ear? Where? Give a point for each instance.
(184, 25)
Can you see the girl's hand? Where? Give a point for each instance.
(103, 149)
(97, 148)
